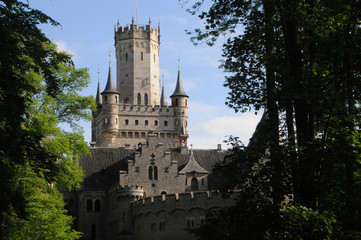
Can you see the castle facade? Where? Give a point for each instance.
(141, 180)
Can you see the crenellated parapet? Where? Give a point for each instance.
(182, 201)
(135, 31)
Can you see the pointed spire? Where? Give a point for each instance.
(179, 91)
(98, 97)
(110, 87)
(133, 20)
(163, 100)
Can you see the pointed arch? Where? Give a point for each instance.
(150, 173)
(139, 99)
(146, 99)
(89, 205)
(155, 173)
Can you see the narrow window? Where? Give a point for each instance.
(89, 205)
(150, 173)
(146, 122)
(155, 173)
(141, 56)
(177, 122)
(176, 102)
(116, 120)
(202, 181)
(146, 99)
(165, 123)
(93, 232)
(186, 181)
(116, 99)
(105, 99)
(126, 57)
(97, 205)
(139, 99)
(186, 102)
(156, 122)
(136, 122)
(126, 121)
(106, 121)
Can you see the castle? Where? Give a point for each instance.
(141, 180)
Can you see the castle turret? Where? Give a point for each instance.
(98, 97)
(109, 117)
(180, 104)
(137, 53)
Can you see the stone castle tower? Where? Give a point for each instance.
(136, 107)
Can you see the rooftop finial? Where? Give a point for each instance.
(178, 61)
(162, 79)
(133, 20)
(110, 58)
(98, 74)
(118, 23)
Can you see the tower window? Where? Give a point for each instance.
(156, 122)
(126, 121)
(116, 120)
(139, 99)
(202, 181)
(126, 56)
(106, 121)
(146, 122)
(136, 122)
(177, 122)
(116, 99)
(141, 56)
(146, 99)
(105, 99)
(186, 102)
(176, 102)
(165, 123)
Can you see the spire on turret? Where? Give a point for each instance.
(98, 97)
(133, 20)
(163, 100)
(179, 91)
(110, 87)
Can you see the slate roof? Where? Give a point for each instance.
(193, 166)
(179, 90)
(102, 167)
(110, 87)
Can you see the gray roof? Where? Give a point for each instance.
(179, 91)
(98, 97)
(163, 100)
(192, 166)
(110, 87)
(102, 167)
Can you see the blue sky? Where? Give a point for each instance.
(87, 32)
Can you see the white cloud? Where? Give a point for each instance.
(216, 130)
(63, 46)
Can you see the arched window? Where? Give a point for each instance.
(89, 205)
(150, 173)
(194, 184)
(155, 173)
(141, 56)
(176, 102)
(126, 56)
(139, 99)
(97, 205)
(146, 99)
(93, 232)
(156, 123)
(146, 122)
(163, 193)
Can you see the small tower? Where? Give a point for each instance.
(109, 118)
(180, 104)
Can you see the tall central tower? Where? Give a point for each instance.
(137, 53)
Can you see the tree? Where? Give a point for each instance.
(298, 59)
(38, 90)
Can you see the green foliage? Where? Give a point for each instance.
(300, 61)
(39, 90)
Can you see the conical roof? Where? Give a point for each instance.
(110, 87)
(179, 91)
(192, 166)
(98, 97)
(163, 100)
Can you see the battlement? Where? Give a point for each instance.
(136, 31)
(185, 201)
